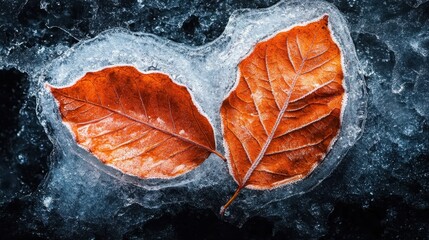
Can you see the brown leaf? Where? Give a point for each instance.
(281, 119)
(143, 124)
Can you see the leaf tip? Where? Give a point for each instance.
(48, 86)
(51, 88)
(325, 19)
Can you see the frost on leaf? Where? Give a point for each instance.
(135, 122)
(285, 112)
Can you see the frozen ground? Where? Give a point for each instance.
(380, 189)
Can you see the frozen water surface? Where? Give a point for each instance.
(209, 72)
(379, 190)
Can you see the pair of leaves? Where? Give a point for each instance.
(278, 122)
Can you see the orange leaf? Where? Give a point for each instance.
(143, 124)
(285, 112)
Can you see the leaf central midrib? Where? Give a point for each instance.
(141, 122)
(277, 123)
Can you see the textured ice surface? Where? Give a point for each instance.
(209, 72)
(380, 189)
(21, 173)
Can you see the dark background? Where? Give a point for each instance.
(379, 191)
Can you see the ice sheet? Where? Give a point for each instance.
(209, 72)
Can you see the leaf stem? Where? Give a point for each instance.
(224, 207)
(219, 155)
